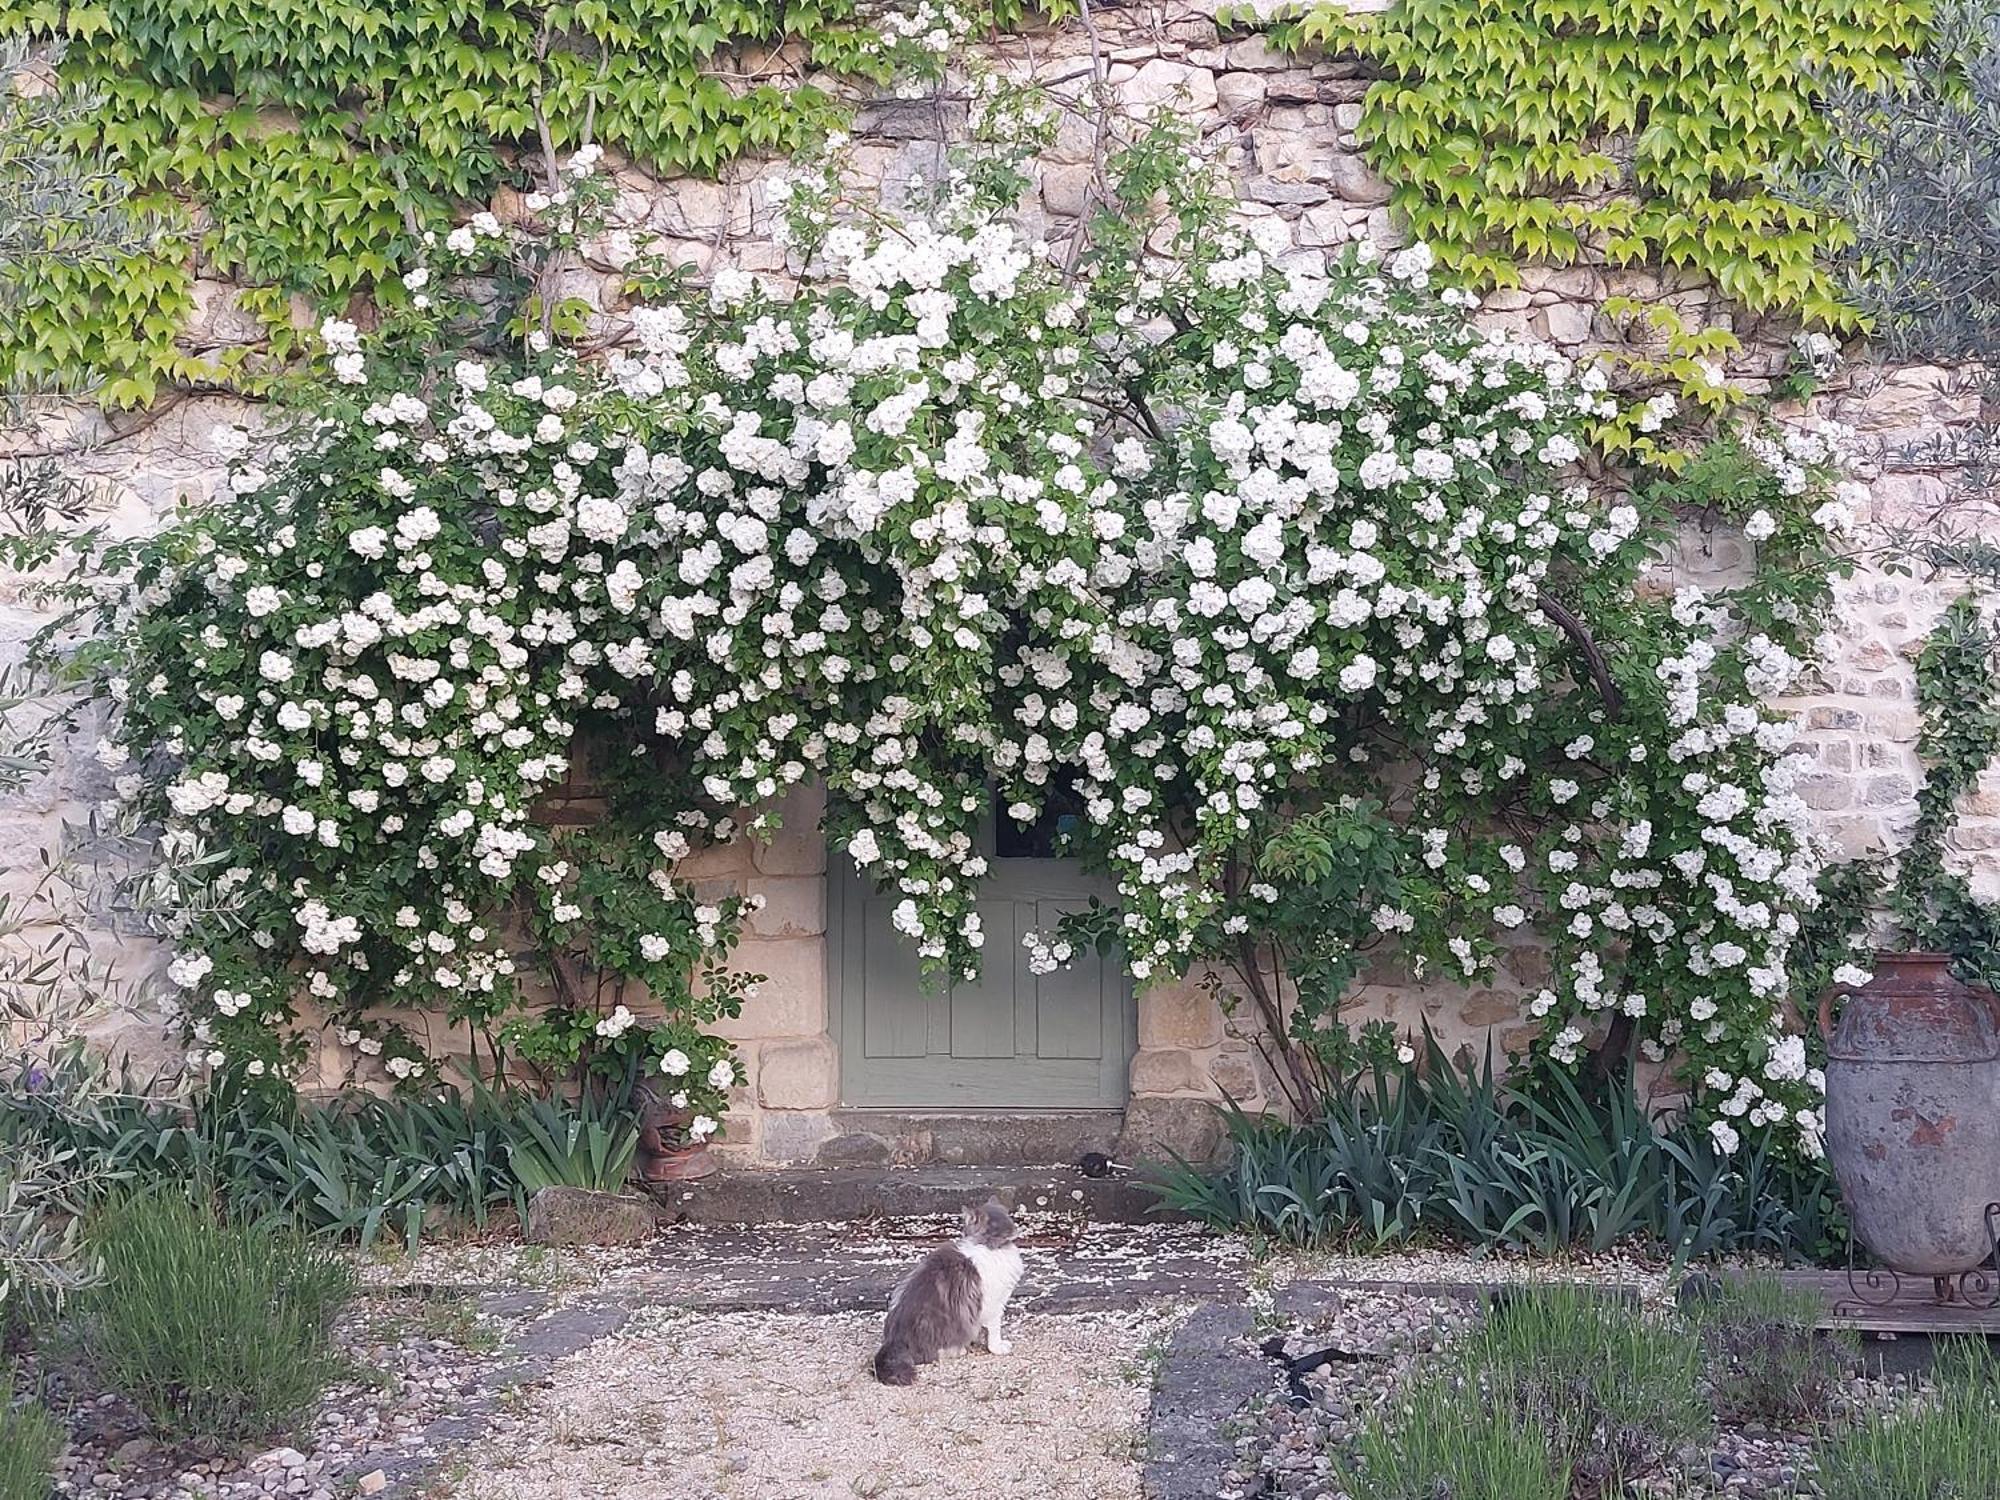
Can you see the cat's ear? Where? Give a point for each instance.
(970, 1221)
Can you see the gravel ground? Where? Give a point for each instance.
(733, 1365)
(771, 1406)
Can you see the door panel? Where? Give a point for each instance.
(1009, 1039)
(898, 1025)
(982, 1009)
(1070, 1003)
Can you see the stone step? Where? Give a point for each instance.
(815, 1195)
(968, 1138)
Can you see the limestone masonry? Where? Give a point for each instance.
(1287, 126)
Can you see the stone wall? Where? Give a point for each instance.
(1286, 126)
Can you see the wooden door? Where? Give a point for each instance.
(1010, 1039)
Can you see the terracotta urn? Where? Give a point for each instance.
(1913, 1113)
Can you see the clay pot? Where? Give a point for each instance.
(1913, 1113)
(677, 1164)
(665, 1155)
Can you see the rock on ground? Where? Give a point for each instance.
(774, 1406)
(579, 1216)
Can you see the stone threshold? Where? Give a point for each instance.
(821, 1195)
(968, 1137)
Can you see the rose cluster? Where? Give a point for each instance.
(1200, 531)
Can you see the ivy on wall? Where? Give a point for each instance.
(314, 140)
(70, 237)
(1633, 130)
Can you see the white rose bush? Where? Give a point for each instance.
(1295, 581)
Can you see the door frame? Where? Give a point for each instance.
(843, 881)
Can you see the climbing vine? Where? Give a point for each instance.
(318, 140)
(1958, 694)
(1632, 130)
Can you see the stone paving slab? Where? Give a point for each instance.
(1207, 1378)
(832, 1268)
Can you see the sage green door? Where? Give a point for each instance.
(1011, 1039)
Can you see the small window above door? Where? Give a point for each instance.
(1046, 837)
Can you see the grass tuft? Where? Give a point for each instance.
(1616, 1392)
(29, 1443)
(1767, 1362)
(1940, 1446)
(1445, 1438)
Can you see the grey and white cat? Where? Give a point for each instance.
(954, 1292)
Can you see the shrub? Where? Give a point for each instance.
(216, 1331)
(556, 1147)
(1444, 1150)
(1941, 1447)
(29, 1443)
(1767, 1359)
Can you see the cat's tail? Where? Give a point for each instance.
(895, 1366)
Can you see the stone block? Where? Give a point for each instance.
(578, 1216)
(1066, 189)
(852, 1148)
(218, 319)
(1237, 94)
(1254, 54)
(798, 1075)
(1565, 323)
(693, 207)
(793, 1137)
(1235, 1076)
(1286, 194)
(1886, 791)
(1825, 793)
(1354, 181)
(1385, 230)
(1158, 1128)
(1293, 86)
(790, 1002)
(1322, 226)
(1076, 140)
(1167, 1071)
(796, 846)
(1490, 1008)
(1179, 1014)
(794, 905)
(715, 861)
(1162, 85)
(909, 119)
